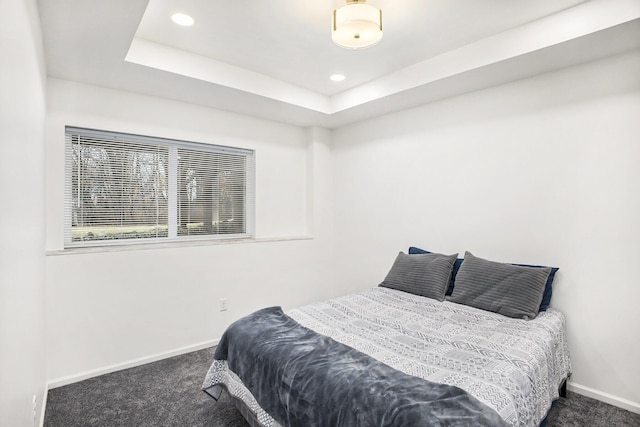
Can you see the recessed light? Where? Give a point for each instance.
(337, 77)
(182, 19)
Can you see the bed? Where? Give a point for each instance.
(453, 361)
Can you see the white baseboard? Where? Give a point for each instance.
(59, 382)
(604, 397)
(44, 404)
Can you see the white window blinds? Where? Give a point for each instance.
(128, 188)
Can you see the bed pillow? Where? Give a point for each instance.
(548, 287)
(427, 275)
(456, 266)
(511, 290)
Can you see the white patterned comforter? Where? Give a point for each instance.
(514, 366)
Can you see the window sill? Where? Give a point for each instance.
(170, 245)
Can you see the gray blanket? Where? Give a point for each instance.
(302, 378)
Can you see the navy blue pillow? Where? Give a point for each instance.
(456, 267)
(548, 289)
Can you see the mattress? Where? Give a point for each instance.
(513, 366)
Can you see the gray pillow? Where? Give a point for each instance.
(423, 274)
(510, 290)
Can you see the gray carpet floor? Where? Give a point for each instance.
(167, 393)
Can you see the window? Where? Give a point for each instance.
(124, 189)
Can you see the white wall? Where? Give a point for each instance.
(111, 308)
(22, 115)
(543, 171)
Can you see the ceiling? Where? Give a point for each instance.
(272, 59)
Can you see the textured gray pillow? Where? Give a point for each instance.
(423, 274)
(510, 290)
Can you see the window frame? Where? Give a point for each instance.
(172, 188)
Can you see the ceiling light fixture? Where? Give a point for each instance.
(337, 77)
(182, 19)
(357, 25)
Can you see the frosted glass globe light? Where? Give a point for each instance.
(357, 26)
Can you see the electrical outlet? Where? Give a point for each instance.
(223, 304)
